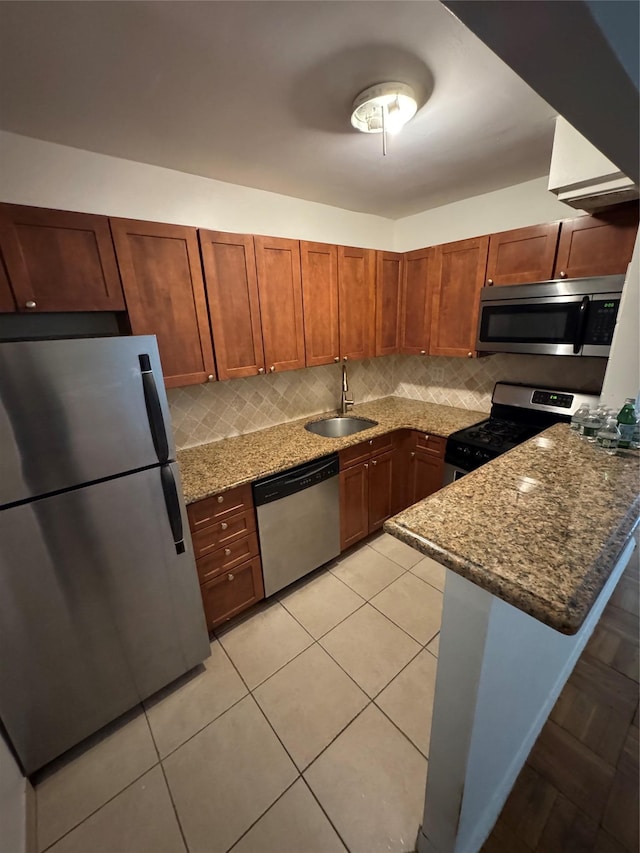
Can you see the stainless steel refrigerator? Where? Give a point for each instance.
(99, 598)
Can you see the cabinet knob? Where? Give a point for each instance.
(211, 378)
(224, 525)
(489, 281)
(230, 577)
(423, 352)
(374, 462)
(337, 359)
(220, 499)
(227, 552)
(272, 369)
(413, 453)
(469, 355)
(562, 275)
(261, 370)
(30, 304)
(370, 442)
(344, 358)
(366, 464)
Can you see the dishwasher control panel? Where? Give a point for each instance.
(296, 479)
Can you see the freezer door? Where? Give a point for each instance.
(75, 411)
(97, 609)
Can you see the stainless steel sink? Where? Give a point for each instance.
(339, 426)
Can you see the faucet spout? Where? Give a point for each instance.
(346, 400)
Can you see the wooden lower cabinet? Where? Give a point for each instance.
(232, 592)
(354, 504)
(380, 490)
(225, 545)
(426, 474)
(368, 487)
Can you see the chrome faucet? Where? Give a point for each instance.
(346, 400)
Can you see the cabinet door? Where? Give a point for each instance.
(426, 477)
(162, 280)
(280, 291)
(229, 264)
(458, 276)
(354, 504)
(7, 302)
(402, 470)
(356, 286)
(389, 266)
(597, 245)
(59, 261)
(319, 263)
(523, 255)
(380, 490)
(417, 297)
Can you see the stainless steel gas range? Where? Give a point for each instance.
(518, 412)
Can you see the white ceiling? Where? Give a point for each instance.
(259, 94)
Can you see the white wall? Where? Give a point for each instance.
(13, 803)
(48, 175)
(513, 207)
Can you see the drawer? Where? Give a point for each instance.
(223, 533)
(361, 452)
(208, 511)
(354, 455)
(232, 592)
(229, 557)
(430, 443)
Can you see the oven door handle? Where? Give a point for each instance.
(583, 315)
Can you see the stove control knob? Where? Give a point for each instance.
(466, 451)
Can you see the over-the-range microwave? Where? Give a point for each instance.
(560, 317)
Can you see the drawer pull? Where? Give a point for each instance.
(374, 462)
(224, 525)
(220, 499)
(370, 442)
(227, 552)
(230, 577)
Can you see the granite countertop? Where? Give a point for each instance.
(541, 526)
(211, 468)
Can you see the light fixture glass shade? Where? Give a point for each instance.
(384, 107)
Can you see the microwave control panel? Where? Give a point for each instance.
(601, 321)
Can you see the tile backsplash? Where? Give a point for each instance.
(203, 413)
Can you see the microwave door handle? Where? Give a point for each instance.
(582, 324)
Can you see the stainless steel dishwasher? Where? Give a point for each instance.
(298, 521)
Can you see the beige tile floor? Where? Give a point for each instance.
(307, 731)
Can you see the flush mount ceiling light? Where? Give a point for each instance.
(384, 108)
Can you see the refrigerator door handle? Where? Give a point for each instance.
(172, 503)
(154, 410)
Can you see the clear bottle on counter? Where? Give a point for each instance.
(608, 436)
(591, 426)
(635, 441)
(578, 418)
(627, 422)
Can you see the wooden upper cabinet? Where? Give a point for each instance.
(522, 255)
(163, 286)
(459, 273)
(389, 267)
(7, 302)
(280, 291)
(597, 245)
(229, 264)
(59, 261)
(356, 287)
(319, 262)
(417, 293)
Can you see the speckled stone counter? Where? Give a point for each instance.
(541, 526)
(221, 465)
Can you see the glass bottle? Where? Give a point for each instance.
(591, 425)
(578, 418)
(609, 436)
(627, 422)
(635, 440)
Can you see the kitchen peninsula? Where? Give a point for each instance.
(535, 543)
